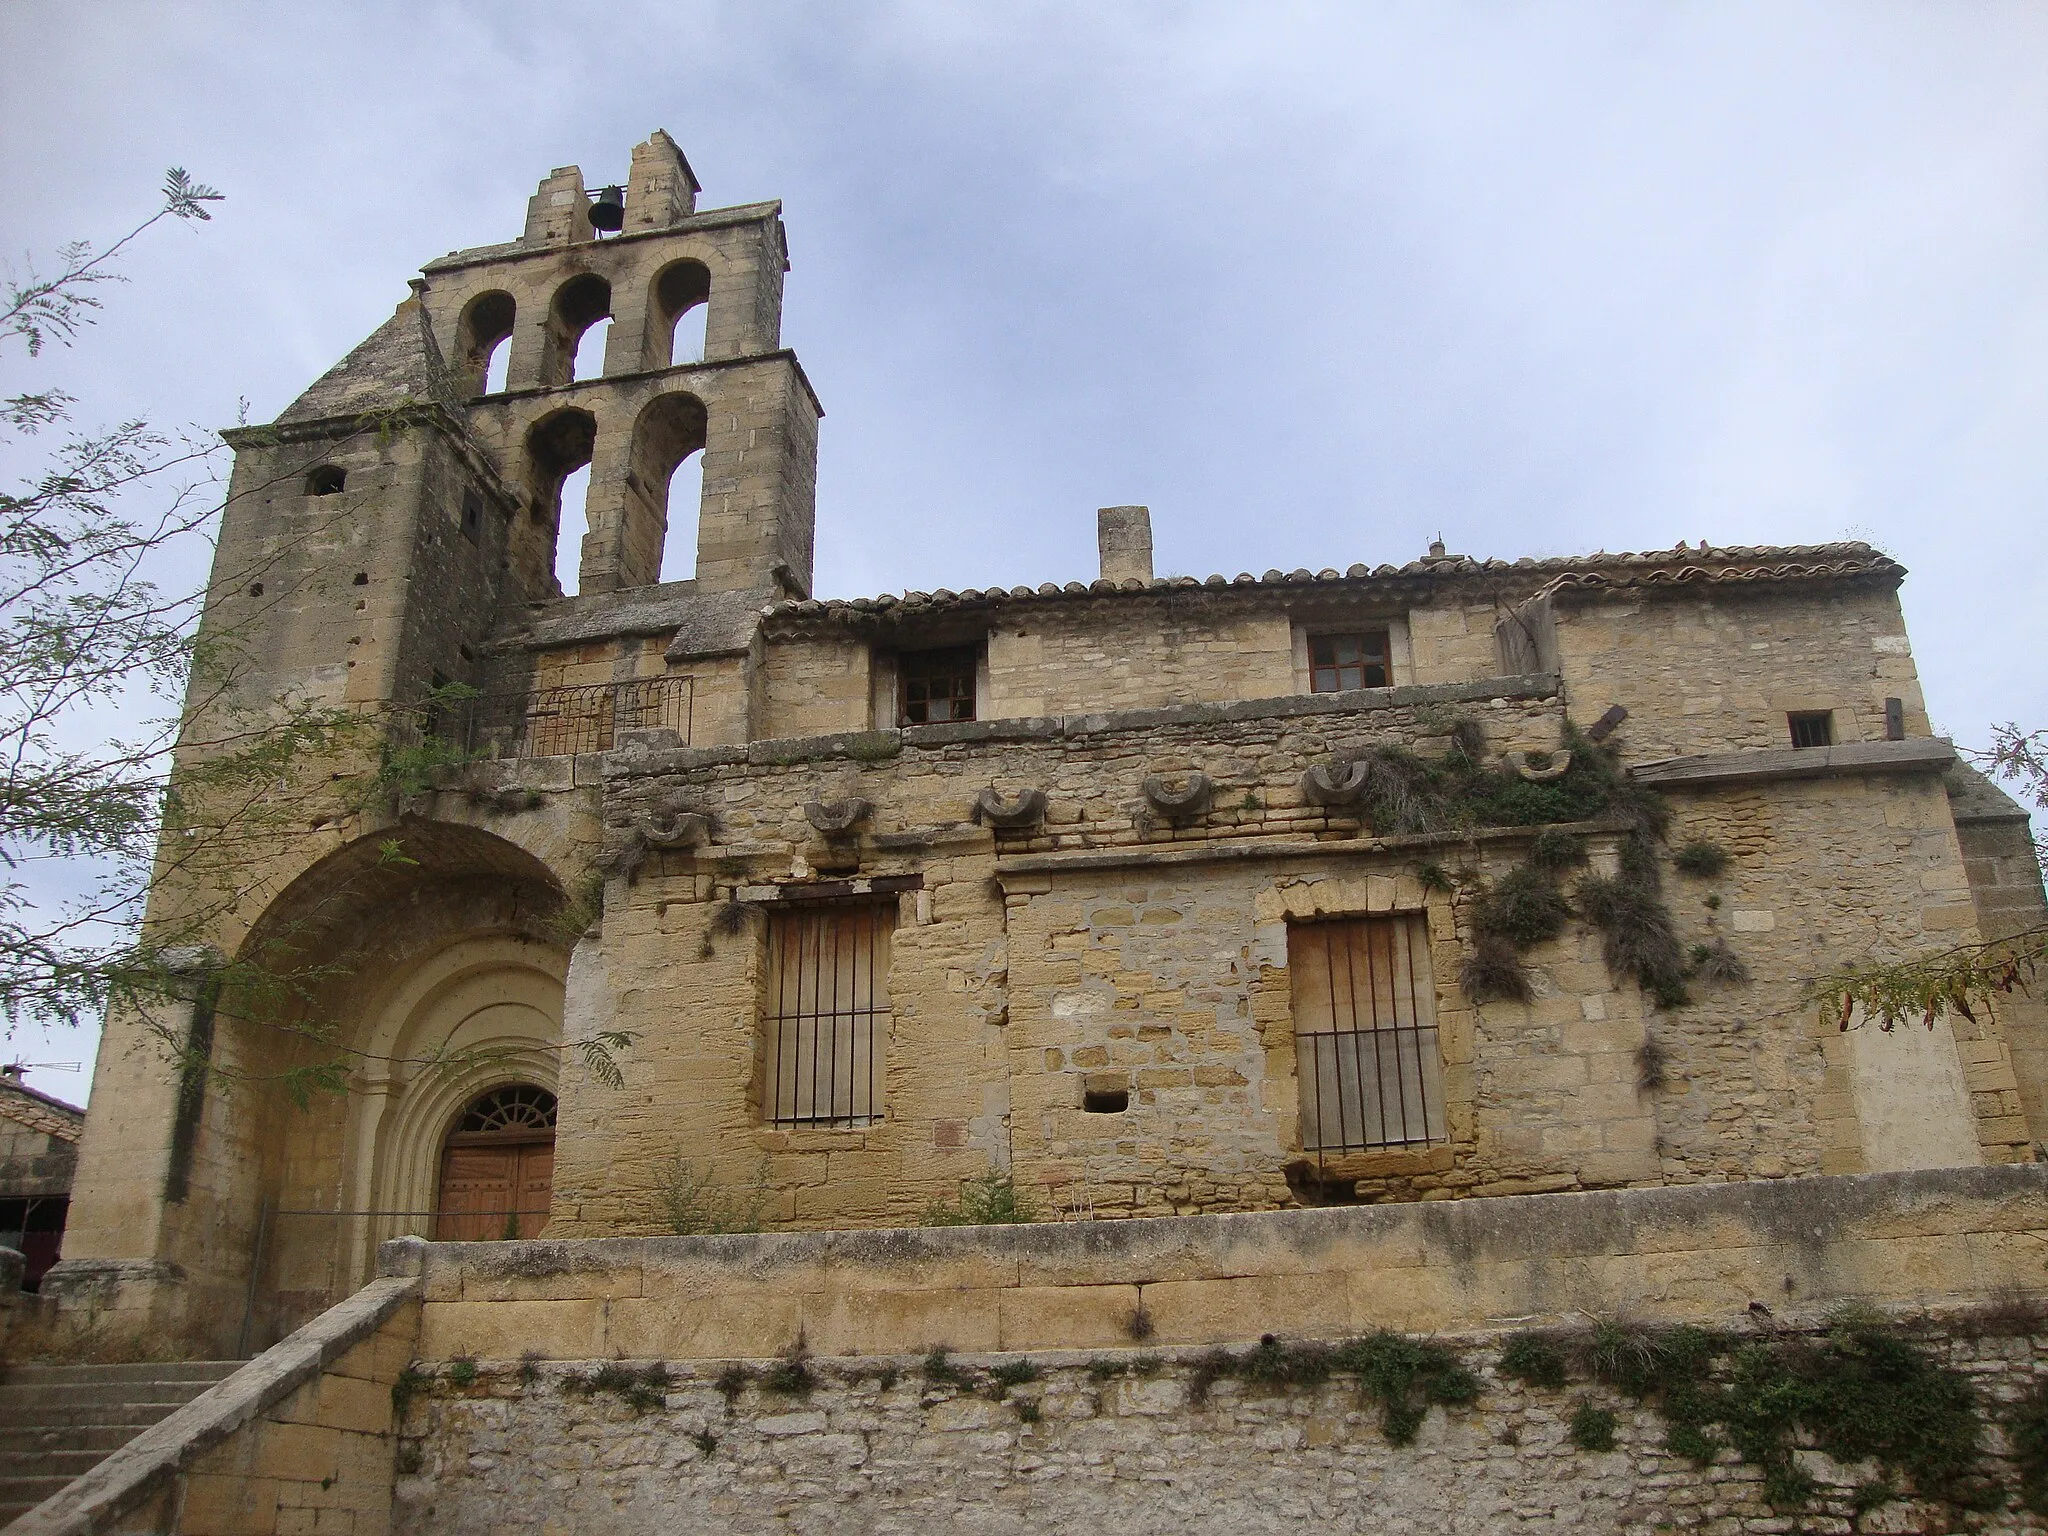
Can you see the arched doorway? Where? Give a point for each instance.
(498, 1167)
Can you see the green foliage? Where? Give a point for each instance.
(1718, 965)
(462, 1371)
(2026, 1428)
(410, 1384)
(1861, 1393)
(1028, 1410)
(1405, 1377)
(1700, 858)
(733, 1382)
(1524, 907)
(988, 1200)
(940, 1371)
(790, 1376)
(1638, 940)
(693, 1204)
(1435, 878)
(706, 1441)
(1535, 1358)
(643, 1390)
(1959, 980)
(1011, 1373)
(1554, 848)
(1494, 972)
(1592, 1427)
(529, 1370)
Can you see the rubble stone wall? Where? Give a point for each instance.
(874, 1447)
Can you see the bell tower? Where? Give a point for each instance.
(745, 405)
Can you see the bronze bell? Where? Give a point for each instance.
(608, 213)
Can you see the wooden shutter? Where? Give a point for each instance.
(1366, 1049)
(827, 1011)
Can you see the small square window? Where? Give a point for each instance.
(1812, 728)
(938, 686)
(1338, 663)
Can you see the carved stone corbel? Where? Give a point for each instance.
(1179, 805)
(837, 818)
(678, 829)
(1027, 810)
(1559, 762)
(1337, 786)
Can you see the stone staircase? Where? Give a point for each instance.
(58, 1421)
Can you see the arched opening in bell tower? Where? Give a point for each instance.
(666, 487)
(679, 306)
(579, 304)
(558, 452)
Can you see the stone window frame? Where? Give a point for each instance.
(1303, 899)
(1400, 646)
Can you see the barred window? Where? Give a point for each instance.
(1365, 1031)
(1812, 728)
(1340, 662)
(827, 1013)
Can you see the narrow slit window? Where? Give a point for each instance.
(1366, 1046)
(1340, 662)
(827, 1013)
(1812, 728)
(939, 685)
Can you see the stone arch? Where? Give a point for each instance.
(578, 304)
(667, 431)
(676, 290)
(557, 445)
(495, 1001)
(486, 324)
(431, 980)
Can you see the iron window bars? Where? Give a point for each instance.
(1367, 1049)
(827, 1012)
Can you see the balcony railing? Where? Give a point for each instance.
(561, 722)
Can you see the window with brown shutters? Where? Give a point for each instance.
(826, 1013)
(1366, 1049)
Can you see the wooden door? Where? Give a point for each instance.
(494, 1187)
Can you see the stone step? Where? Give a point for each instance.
(100, 1439)
(28, 1492)
(28, 1405)
(159, 1370)
(65, 1462)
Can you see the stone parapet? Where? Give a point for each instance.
(1796, 1246)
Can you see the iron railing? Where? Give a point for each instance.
(561, 722)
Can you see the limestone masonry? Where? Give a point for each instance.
(712, 905)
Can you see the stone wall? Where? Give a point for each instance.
(542, 1417)
(1110, 942)
(1124, 1441)
(1676, 1254)
(1719, 671)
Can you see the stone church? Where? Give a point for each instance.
(724, 904)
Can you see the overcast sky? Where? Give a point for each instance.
(1314, 281)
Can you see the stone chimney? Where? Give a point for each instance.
(1124, 536)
